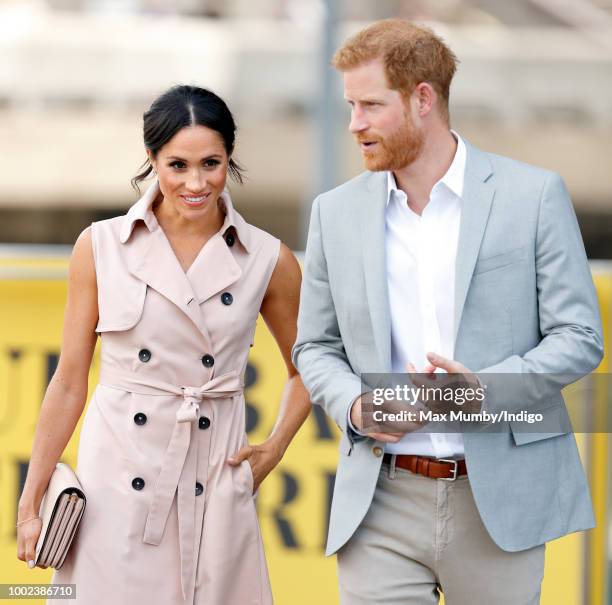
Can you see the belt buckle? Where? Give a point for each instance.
(455, 469)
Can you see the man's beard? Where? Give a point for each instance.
(396, 151)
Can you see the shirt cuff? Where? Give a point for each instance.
(348, 420)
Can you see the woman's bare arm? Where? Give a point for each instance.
(279, 310)
(66, 394)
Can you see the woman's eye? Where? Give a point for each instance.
(211, 163)
(177, 164)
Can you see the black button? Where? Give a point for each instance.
(229, 239)
(208, 361)
(199, 489)
(204, 422)
(144, 355)
(227, 298)
(138, 483)
(140, 418)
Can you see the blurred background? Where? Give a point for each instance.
(534, 83)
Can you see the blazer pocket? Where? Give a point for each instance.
(556, 423)
(497, 261)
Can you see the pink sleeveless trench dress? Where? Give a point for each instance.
(168, 521)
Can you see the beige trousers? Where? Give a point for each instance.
(423, 536)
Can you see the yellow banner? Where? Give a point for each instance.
(293, 503)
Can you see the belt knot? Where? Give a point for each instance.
(190, 408)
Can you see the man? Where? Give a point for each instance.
(441, 257)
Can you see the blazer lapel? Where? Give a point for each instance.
(478, 193)
(372, 243)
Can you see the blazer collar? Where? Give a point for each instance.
(478, 195)
(142, 211)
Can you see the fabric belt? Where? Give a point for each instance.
(178, 468)
(436, 468)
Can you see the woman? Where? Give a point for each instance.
(174, 289)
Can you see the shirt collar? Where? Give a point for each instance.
(142, 211)
(454, 177)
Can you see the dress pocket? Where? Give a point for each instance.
(248, 473)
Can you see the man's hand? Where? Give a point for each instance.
(395, 429)
(356, 421)
(457, 376)
(450, 366)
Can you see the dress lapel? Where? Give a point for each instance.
(216, 268)
(150, 258)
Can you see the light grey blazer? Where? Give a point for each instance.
(524, 302)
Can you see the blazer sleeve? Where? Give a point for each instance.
(319, 353)
(568, 310)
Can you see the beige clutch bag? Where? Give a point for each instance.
(61, 510)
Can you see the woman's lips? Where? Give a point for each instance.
(195, 200)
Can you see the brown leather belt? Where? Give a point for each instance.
(436, 468)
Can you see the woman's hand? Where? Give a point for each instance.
(262, 458)
(66, 394)
(28, 531)
(279, 310)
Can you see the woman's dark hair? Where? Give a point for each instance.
(182, 106)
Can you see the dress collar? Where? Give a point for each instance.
(142, 211)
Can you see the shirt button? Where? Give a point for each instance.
(138, 483)
(208, 361)
(229, 239)
(199, 489)
(204, 422)
(140, 418)
(144, 355)
(377, 451)
(227, 298)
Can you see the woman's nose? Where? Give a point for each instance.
(195, 181)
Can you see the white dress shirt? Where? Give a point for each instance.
(421, 253)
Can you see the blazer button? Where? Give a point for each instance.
(227, 298)
(140, 418)
(204, 422)
(229, 239)
(138, 483)
(377, 451)
(144, 355)
(208, 361)
(199, 489)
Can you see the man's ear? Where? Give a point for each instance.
(425, 97)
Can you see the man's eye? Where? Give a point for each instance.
(177, 164)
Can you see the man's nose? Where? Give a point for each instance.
(358, 122)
